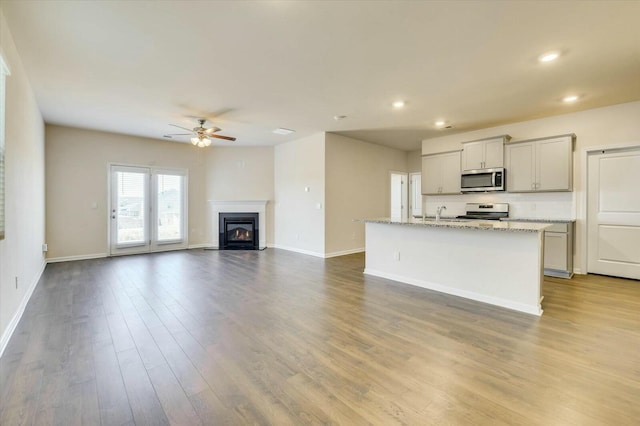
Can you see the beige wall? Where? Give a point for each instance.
(617, 124)
(414, 161)
(242, 173)
(299, 215)
(77, 171)
(21, 254)
(357, 186)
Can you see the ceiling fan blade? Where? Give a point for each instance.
(183, 128)
(212, 130)
(227, 138)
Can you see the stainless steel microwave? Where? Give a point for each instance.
(483, 180)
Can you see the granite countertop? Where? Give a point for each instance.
(537, 219)
(485, 225)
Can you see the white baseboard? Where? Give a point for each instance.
(78, 257)
(198, 246)
(316, 254)
(344, 252)
(6, 336)
(534, 310)
(578, 271)
(297, 250)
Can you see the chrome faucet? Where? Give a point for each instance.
(439, 212)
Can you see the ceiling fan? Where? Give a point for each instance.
(200, 136)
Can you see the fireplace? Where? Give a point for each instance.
(238, 231)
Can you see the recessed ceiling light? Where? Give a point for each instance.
(549, 57)
(569, 99)
(283, 131)
(339, 117)
(398, 104)
(439, 123)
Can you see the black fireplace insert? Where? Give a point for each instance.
(238, 231)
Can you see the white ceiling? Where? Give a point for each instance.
(133, 67)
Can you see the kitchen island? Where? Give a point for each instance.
(494, 262)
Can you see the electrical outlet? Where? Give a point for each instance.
(396, 255)
(45, 247)
(16, 283)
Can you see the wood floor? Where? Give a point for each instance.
(274, 337)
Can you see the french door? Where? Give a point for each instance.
(147, 210)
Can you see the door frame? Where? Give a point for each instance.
(404, 212)
(410, 185)
(582, 204)
(154, 246)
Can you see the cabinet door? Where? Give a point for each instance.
(431, 179)
(555, 251)
(450, 172)
(473, 155)
(494, 153)
(553, 164)
(521, 167)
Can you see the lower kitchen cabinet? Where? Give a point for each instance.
(558, 250)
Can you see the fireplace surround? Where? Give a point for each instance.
(215, 207)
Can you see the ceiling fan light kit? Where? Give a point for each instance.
(201, 141)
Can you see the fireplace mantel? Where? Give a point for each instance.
(238, 206)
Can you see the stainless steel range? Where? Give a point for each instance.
(486, 211)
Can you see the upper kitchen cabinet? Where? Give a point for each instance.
(484, 153)
(441, 173)
(540, 165)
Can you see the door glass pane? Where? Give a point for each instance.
(169, 207)
(132, 207)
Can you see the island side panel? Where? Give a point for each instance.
(498, 267)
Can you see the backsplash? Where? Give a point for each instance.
(543, 205)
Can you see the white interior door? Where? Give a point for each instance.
(613, 213)
(399, 196)
(148, 210)
(415, 194)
